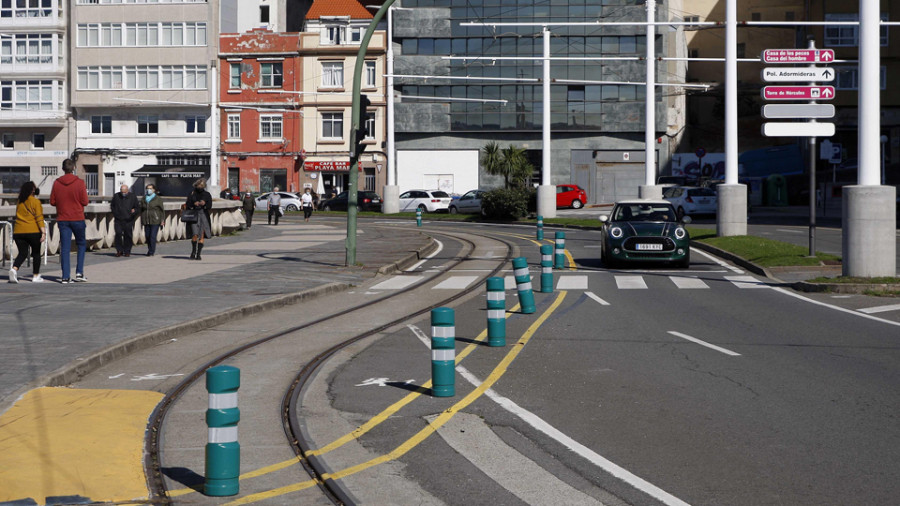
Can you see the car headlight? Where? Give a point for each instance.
(616, 233)
(680, 233)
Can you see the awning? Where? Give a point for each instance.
(173, 171)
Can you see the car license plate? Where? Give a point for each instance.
(375, 201)
(650, 247)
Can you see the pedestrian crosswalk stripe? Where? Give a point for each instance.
(687, 282)
(455, 283)
(509, 283)
(630, 282)
(397, 282)
(572, 283)
(746, 282)
(880, 309)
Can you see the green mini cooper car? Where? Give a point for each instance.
(645, 231)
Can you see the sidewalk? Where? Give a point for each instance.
(47, 328)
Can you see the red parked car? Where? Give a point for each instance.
(570, 195)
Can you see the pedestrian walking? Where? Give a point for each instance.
(69, 195)
(249, 205)
(29, 232)
(152, 216)
(125, 209)
(274, 206)
(201, 200)
(306, 202)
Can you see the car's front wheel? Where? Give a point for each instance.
(290, 207)
(577, 204)
(453, 210)
(326, 207)
(422, 208)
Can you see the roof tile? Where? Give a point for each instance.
(353, 8)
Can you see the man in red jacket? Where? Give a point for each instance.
(69, 195)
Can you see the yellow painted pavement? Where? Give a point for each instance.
(75, 442)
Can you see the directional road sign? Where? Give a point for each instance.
(798, 129)
(798, 56)
(809, 111)
(798, 92)
(794, 74)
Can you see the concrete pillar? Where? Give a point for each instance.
(870, 226)
(651, 191)
(546, 201)
(731, 218)
(391, 202)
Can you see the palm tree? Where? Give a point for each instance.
(490, 159)
(516, 167)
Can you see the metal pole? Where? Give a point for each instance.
(812, 178)
(391, 163)
(545, 129)
(214, 127)
(650, 117)
(731, 133)
(869, 99)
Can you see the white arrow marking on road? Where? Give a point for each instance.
(598, 299)
(379, 382)
(154, 376)
(117, 376)
(704, 343)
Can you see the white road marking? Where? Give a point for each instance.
(432, 255)
(572, 283)
(154, 376)
(789, 230)
(397, 282)
(704, 343)
(716, 260)
(687, 282)
(117, 376)
(880, 309)
(598, 299)
(630, 283)
(592, 246)
(836, 308)
(455, 283)
(747, 282)
(509, 283)
(842, 296)
(576, 447)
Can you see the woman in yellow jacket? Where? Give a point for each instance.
(29, 231)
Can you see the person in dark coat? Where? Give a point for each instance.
(152, 216)
(249, 205)
(125, 210)
(200, 229)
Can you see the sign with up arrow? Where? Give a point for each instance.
(798, 56)
(798, 92)
(797, 74)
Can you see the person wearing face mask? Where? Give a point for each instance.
(152, 215)
(124, 206)
(201, 200)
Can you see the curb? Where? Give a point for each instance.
(731, 257)
(409, 259)
(846, 288)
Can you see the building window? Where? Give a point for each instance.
(195, 124)
(101, 124)
(755, 16)
(693, 53)
(234, 72)
(148, 124)
(28, 95)
(848, 35)
(370, 74)
(234, 126)
(355, 35)
(332, 125)
(692, 19)
(26, 9)
(370, 125)
(270, 127)
(37, 141)
(9, 141)
(49, 170)
(332, 35)
(270, 75)
(332, 74)
(847, 78)
(143, 77)
(263, 13)
(741, 50)
(789, 16)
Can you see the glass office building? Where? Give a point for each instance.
(585, 116)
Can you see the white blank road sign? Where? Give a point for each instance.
(797, 74)
(798, 111)
(798, 129)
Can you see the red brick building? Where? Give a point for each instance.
(261, 119)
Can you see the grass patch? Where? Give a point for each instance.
(857, 281)
(766, 252)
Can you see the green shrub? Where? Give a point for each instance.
(505, 204)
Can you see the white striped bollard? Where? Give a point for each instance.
(496, 311)
(223, 452)
(523, 285)
(540, 228)
(560, 250)
(419, 217)
(546, 268)
(443, 352)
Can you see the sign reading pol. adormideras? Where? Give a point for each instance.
(793, 74)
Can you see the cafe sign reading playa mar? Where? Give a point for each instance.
(798, 56)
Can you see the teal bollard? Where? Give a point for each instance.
(546, 268)
(418, 217)
(496, 311)
(223, 452)
(540, 228)
(560, 250)
(443, 352)
(523, 285)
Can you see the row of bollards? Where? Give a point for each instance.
(223, 452)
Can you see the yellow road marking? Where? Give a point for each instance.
(362, 429)
(443, 418)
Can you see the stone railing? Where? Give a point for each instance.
(225, 217)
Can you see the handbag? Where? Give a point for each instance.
(190, 215)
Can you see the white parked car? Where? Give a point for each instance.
(289, 201)
(429, 201)
(691, 200)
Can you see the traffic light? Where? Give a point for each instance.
(358, 146)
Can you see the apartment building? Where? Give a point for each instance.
(260, 74)
(329, 47)
(34, 123)
(142, 92)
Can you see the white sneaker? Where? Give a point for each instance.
(37, 279)
(13, 277)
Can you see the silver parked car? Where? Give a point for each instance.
(289, 201)
(429, 201)
(691, 200)
(470, 202)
